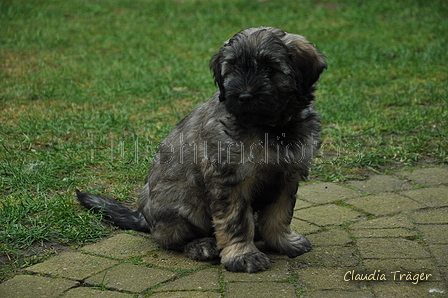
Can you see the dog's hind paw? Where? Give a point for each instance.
(248, 262)
(292, 245)
(202, 249)
(298, 245)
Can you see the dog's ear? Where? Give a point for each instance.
(307, 60)
(216, 68)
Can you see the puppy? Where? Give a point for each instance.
(233, 165)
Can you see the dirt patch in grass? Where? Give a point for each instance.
(11, 264)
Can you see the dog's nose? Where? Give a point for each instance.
(245, 97)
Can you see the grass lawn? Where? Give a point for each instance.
(89, 88)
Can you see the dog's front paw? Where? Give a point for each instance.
(249, 262)
(298, 245)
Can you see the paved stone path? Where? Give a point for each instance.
(390, 229)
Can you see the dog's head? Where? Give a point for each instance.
(265, 75)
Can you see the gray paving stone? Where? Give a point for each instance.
(444, 271)
(430, 216)
(407, 289)
(439, 252)
(130, 277)
(84, 292)
(33, 286)
(434, 234)
(278, 272)
(386, 222)
(122, 246)
(186, 294)
(73, 265)
(381, 183)
(426, 176)
(383, 204)
(260, 290)
(330, 214)
(431, 196)
(205, 279)
(316, 279)
(329, 256)
(303, 227)
(301, 204)
(174, 260)
(383, 248)
(426, 266)
(326, 192)
(380, 233)
(338, 294)
(330, 237)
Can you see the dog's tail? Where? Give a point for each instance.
(114, 212)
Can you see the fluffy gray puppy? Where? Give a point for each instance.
(232, 167)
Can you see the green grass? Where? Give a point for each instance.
(89, 88)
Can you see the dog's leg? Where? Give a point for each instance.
(233, 221)
(202, 249)
(274, 223)
(173, 232)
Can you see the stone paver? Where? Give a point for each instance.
(431, 196)
(439, 252)
(260, 290)
(381, 233)
(434, 233)
(383, 248)
(407, 289)
(326, 192)
(431, 216)
(130, 277)
(426, 176)
(73, 265)
(404, 266)
(25, 286)
(385, 222)
(330, 214)
(94, 293)
(383, 204)
(381, 183)
(303, 227)
(186, 294)
(334, 279)
(207, 279)
(330, 237)
(122, 246)
(331, 256)
(359, 230)
(338, 294)
(301, 204)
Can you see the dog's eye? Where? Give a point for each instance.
(270, 70)
(231, 62)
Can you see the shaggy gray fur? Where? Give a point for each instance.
(235, 162)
